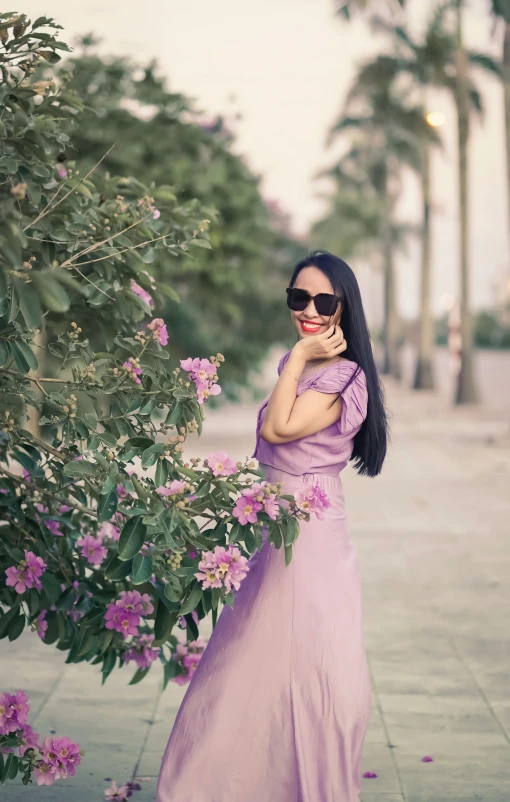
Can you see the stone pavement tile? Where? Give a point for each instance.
(367, 796)
(485, 771)
(377, 758)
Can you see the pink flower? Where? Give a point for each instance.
(155, 213)
(29, 739)
(176, 486)
(143, 294)
(108, 531)
(61, 754)
(132, 370)
(114, 793)
(159, 331)
(61, 171)
(203, 374)
(121, 620)
(53, 526)
(142, 652)
(41, 624)
(313, 499)
(246, 510)
(272, 508)
(13, 712)
(26, 574)
(221, 464)
(92, 549)
(124, 614)
(222, 567)
(44, 774)
(188, 656)
(370, 775)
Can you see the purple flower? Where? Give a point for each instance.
(92, 549)
(26, 574)
(313, 499)
(223, 567)
(142, 652)
(246, 509)
(108, 530)
(203, 373)
(44, 774)
(132, 370)
(143, 294)
(41, 624)
(159, 331)
(62, 755)
(124, 614)
(188, 655)
(221, 464)
(175, 487)
(53, 526)
(13, 712)
(115, 793)
(29, 739)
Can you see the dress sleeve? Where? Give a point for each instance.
(349, 380)
(283, 362)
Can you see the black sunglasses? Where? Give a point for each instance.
(325, 303)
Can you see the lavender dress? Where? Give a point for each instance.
(279, 705)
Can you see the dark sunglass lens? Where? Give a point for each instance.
(325, 304)
(297, 300)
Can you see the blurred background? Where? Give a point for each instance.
(381, 132)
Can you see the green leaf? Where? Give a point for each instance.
(107, 506)
(192, 598)
(236, 533)
(161, 473)
(163, 624)
(6, 619)
(51, 292)
(290, 531)
(174, 415)
(201, 243)
(118, 569)
(275, 534)
(51, 586)
(21, 347)
(139, 675)
(29, 304)
(142, 569)
(5, 352)
(139, 489)
(80, 467)
(20, 359)
(16, 627)
(150, 455)
(168, 291)
(288, 554)
(132, 538)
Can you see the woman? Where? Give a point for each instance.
(279, 705)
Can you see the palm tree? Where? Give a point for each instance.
(440, 60)
(346, 8)
(384, 132)
(501, 13)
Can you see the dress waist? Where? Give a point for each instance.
(332, 483)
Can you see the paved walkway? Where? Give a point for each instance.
(432, 533)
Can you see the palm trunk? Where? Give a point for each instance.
(391, 356)
(424, 375)
(506, 86)
(465, 391)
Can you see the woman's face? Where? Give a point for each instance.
(308, 322)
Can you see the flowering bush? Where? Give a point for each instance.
(108, 538)
(50, 759)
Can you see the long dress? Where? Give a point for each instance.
(278, 707)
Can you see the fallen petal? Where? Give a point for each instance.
(370, 775)
(427, 759)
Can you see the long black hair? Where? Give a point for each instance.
(370, 442)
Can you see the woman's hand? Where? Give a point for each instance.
(323, 346)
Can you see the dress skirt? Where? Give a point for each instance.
(279, 705)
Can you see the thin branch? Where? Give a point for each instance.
(131, 248)
(97, 245)
(49, 208)
(46, 493)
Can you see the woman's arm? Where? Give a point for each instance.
(288, 417)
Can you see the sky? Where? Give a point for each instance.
(285, 67)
